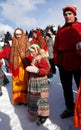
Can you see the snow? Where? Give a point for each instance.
(14, 117)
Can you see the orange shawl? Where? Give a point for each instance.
(19, 46)
(77, 112)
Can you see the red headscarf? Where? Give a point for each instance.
(39, 40)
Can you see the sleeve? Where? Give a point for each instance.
(55, 50)
(1, 63)
(44, 67)
(6, 53)
(43, 44)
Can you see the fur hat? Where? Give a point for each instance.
(72, 8)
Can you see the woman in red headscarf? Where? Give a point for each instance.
(38, 39)
(17, 67)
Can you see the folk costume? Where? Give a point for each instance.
(3, 79)
(38, 106)
(38, 39)
(6, 48)
(17, 67)
(77, 110)
(66, 58)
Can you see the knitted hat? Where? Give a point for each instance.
(72, 8)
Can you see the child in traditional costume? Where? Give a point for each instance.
(38, 107)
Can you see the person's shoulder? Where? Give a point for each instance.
(77, 22)
(77, 25)
(61, 29)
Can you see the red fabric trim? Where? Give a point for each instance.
(15, 72)
(1, 64)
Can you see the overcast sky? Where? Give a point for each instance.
(29, 14)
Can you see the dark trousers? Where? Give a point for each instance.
(6, 65)
(66, 80)
(53, 69)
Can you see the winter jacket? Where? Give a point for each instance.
(6, 49)
(50, 44)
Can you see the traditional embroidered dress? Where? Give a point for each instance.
(17, 67)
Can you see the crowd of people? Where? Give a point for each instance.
(32, 60)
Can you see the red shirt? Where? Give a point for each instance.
(43, 66)
(65, 47)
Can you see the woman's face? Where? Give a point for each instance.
(18, 33)
(47, 38)
(34, 35)
(69, 17)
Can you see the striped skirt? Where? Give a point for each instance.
(1, 77)
(38, 96)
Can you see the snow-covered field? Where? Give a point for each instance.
(14, 117)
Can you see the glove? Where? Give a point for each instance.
(78, 46)
(32, 69)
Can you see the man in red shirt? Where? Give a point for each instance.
(66, 58)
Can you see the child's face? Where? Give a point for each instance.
(33, 54)
(47, 37)
(34, 35)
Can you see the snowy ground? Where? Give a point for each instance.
(16, 118)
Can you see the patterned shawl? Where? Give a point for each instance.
(18, 49)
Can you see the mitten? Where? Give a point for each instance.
(32, 69)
